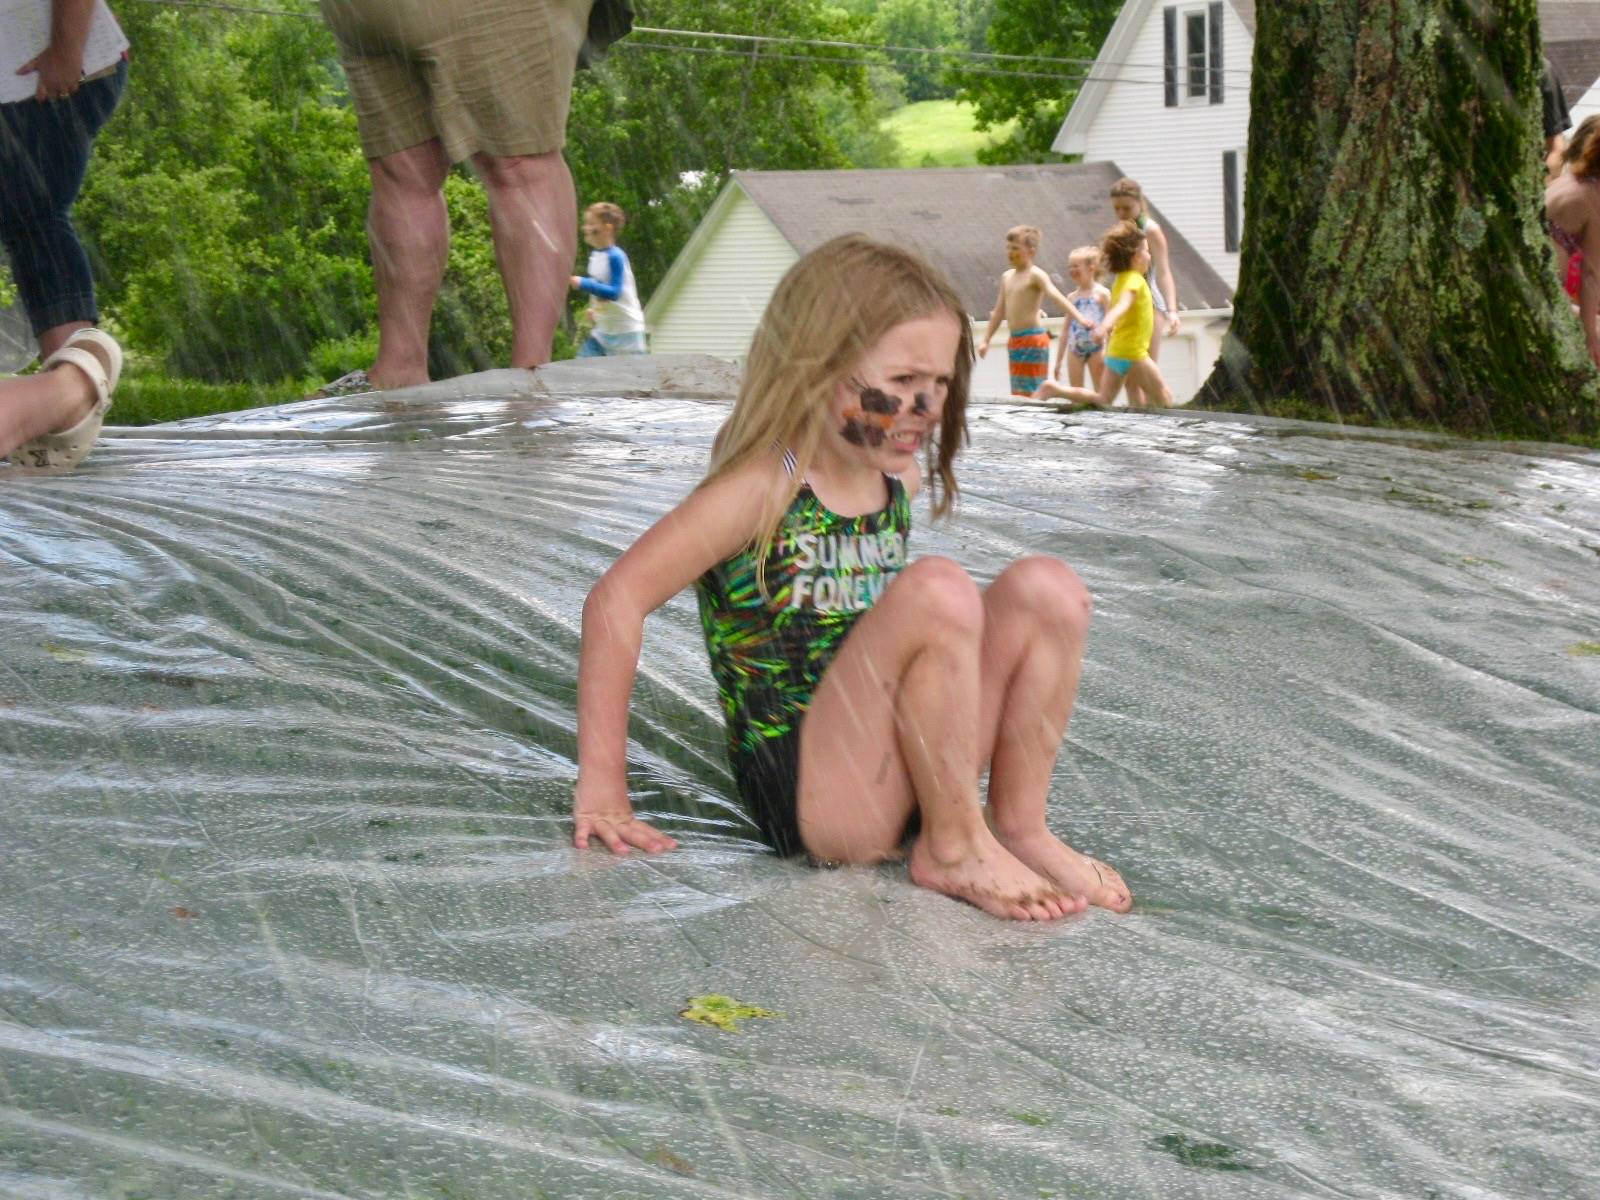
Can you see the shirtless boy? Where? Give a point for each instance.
(1022, 288)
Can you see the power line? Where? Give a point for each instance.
(762, 56)
(940, 51)
(1081, 76)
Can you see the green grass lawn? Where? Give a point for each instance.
(147, 397)
(939, 133)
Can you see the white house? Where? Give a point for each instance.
(1168, 100)
(713, 295)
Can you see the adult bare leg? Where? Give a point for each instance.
(1036, 621)
(533, 215)
(56, 337)
(893, 728)
(46, 402)
(409, 230)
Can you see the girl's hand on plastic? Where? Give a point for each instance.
(617, 829)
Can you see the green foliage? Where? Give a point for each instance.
(227, 197)
(147, 397)
(226, 204)
(658, 132)
(939, 133)
(1050, 28)
(930, 23)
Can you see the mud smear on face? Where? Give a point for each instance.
(869, 425)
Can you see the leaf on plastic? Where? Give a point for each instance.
(723, 1012)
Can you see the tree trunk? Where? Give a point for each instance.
(1395, 265)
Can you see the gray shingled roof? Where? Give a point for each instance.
(1571, 32)
(1559, 20)
(957, 218)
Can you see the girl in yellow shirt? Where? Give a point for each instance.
(1129, 325)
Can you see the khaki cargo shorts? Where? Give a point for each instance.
(482, 76)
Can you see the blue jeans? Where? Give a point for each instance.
(44, 152)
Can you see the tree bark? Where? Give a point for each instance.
(1395, 266)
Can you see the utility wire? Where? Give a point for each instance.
(941, 51)
(761, 56)
(1081, 76)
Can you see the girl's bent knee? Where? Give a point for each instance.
(942, 596)
(1047, 587)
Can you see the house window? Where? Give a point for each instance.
(1194, 53)
(1232, 200)
(1192, 49)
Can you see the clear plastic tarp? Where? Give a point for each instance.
(288, 906)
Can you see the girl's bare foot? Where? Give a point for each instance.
(1075, 873)
(983, 873)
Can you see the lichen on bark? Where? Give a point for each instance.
(1395, 266)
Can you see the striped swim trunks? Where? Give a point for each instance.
(1028, 352)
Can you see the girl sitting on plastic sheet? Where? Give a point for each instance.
(864, 693)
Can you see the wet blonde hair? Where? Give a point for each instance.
(1088, 254)
(1027, 235)
(828, 310)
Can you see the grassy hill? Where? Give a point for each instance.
(939, 133)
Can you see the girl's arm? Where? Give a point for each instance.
(1102, 331)
(706, 528)
(1169, 285)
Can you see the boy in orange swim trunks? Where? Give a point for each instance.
(1022, 289)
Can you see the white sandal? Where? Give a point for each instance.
(70, 446)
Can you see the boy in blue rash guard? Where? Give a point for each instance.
(614, 298)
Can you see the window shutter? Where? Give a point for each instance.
(1230, 201)
(1169, 68)
(1215, 49)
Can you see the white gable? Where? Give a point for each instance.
(1589, 105)
(1176, 153)
(716, 290)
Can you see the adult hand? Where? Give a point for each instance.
(60, 72)
(983, 347)
(611, 820)
(1173, 324)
